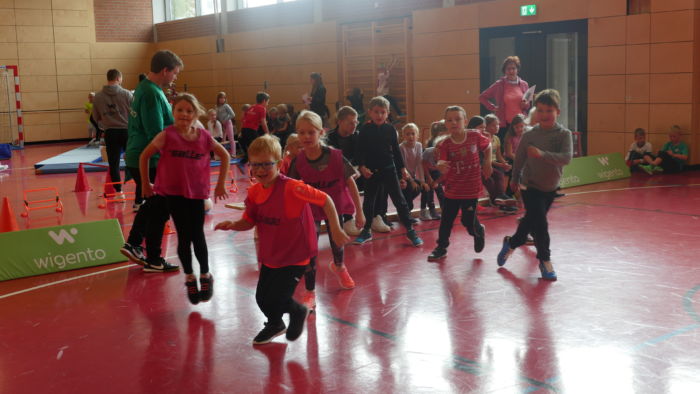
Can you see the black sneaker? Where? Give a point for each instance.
(508, 209)
(297, 317)
(207, 288)
(269, 332)
(479, 239)
(134, 254)
(159, 265)
(437, 254)
(192, 292)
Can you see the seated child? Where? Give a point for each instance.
(672, 156)
(638, 150)
(278, 207)
(412, 154)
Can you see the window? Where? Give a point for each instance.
(239, 4)
(179, 9)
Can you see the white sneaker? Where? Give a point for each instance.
(379, 226)
(350, 228)
(425, 215)
(119, 197)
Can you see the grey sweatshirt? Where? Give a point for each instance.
(543, 173)
(111, 107)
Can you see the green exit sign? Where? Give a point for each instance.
(528, 10)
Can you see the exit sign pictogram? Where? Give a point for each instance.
(528, 10)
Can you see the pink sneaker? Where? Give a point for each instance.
(343, 276)
(309, 300)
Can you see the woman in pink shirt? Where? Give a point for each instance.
(508, 93)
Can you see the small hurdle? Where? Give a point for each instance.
(45, 203)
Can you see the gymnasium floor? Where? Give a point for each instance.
(622, 318)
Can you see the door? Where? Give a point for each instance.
(552, 55)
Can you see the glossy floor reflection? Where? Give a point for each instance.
(623, 317)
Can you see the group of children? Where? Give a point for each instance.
(671, 158)
(320, 184)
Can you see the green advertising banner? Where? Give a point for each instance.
(594, 169)
(60, 248)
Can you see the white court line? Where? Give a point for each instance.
(64, 281)
(628, 188)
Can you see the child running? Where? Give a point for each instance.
(279, 207)
(183, 179)
(541, 155)
(459, 163)
(327, 170)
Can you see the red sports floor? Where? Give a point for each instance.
(622, 318)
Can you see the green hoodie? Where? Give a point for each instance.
(150, 113)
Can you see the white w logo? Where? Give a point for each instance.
(63, 236)
(603, 160)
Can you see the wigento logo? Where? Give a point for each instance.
(63, 236)
(78, 256)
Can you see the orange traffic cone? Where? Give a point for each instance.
(81, 182)
(109, 188)
(7, 217)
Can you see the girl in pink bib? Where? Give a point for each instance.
(327, 170)
(183, 179)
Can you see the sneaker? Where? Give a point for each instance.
(192, 292)
(269, 332)
(433, 214)
(159, 265)
(425, 215)
(119, 197)
(133, 253)
(379, 226)
(207, 288)
(343, 275)
(505, 252)
(547, 270)
(504, 201)
(386, 221)
(657, 169)
(480, 239)
(508, 208)
(351, 228)
(365, 235)
(297, 317)
(647, 168)
(437, 254)
(414, 238)
(309, 300)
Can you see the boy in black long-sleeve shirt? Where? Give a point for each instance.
(380, 162)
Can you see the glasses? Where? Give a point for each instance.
(264, 165)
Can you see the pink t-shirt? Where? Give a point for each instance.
(184, 166)
(463, 180)
(512, 96)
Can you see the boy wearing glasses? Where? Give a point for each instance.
(279, 207)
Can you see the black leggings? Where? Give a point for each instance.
(275, 290)
(150, 219)
(188, 216)
(450, 209)
(338, 254)
(537, 204)
(387, 179)
(115, 143)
